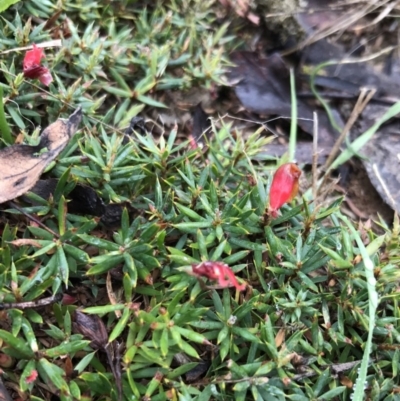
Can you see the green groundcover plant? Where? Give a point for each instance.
(318, 317)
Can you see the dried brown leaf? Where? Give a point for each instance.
(22, 165)
(93, 328)
(280, 337)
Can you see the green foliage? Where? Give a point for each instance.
(4, 4)
(307, 307)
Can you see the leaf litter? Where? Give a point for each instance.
(98, 205)
(22, 165)
(261, 83)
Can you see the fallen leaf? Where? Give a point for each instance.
(318, 17)
(262, 85)
(137, 124)
(382, 164)
(201, 127)
(346, 381)
(22, 165)
(93, 328)
(346, 77)
(200, 370)
(280, 337)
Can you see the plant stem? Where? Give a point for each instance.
(4, 127)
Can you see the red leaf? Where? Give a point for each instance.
(32, 66)
(220, 272)
(284, 187)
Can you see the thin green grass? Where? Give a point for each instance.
(363, 139)
(293, 124)
(360, 384)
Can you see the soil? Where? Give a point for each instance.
(362, 194)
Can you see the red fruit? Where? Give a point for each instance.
(284, 187)
(32, 66)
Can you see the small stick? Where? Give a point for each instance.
(362, 101)
(340, 24)
(315, 156)
(384, 186)
(113, 352)
(37, 221)
(336, 368)
(44, 45)
(31, 304)
(117, 368)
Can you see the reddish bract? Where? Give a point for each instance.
(32, 377)
(32, 66)
(68, 299)
(284, 187)
(220, 272)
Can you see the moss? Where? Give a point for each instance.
(279, 16)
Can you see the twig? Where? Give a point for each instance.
(118, 347)
(362, 101)
(113, 352)
(355, 209)
(342, 24)
(31, 304)
(336, 368)
(384, 13)
(384, 186)
(342, 96)
(365, 96)
(315, 156)
(37, 221)
(44, 45)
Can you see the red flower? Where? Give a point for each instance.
(284, 187)
(32, 66)
(218, 271)
(31, 377)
